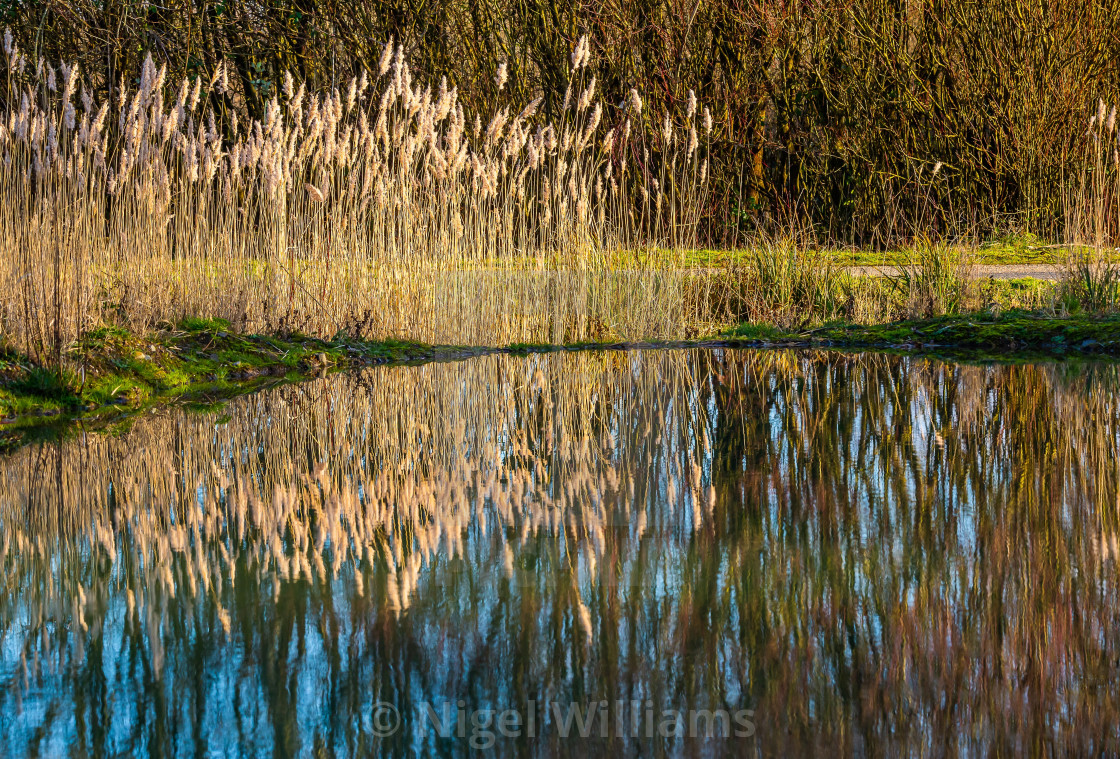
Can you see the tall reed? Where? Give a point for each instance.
(1091, 278)
(381, 208)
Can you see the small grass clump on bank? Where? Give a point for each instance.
(935, 280)
(786, 284)
(1090, 283)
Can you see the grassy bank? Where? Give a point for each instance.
(203, 363)
(198, 361)
(1021, 334)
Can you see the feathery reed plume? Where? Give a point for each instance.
(417, 227)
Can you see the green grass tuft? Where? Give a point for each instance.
(197, 324)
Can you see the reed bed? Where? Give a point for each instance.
(381, 208)
(854, 546)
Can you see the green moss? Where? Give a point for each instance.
(1021, 332)
(110, 370)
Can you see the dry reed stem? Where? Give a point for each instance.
(384, 210)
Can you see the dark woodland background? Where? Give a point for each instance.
(830, 114)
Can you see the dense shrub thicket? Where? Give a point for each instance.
(831, 114)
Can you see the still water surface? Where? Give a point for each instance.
(705, 552)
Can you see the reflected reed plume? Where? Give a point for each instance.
(868, 552)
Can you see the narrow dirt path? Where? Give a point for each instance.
(981, 271)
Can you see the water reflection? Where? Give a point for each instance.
(865, 553)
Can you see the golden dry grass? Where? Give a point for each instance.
(382, 209)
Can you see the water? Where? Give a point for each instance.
(700, 552)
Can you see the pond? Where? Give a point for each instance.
(688, 552)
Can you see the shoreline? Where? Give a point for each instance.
(202, 363)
